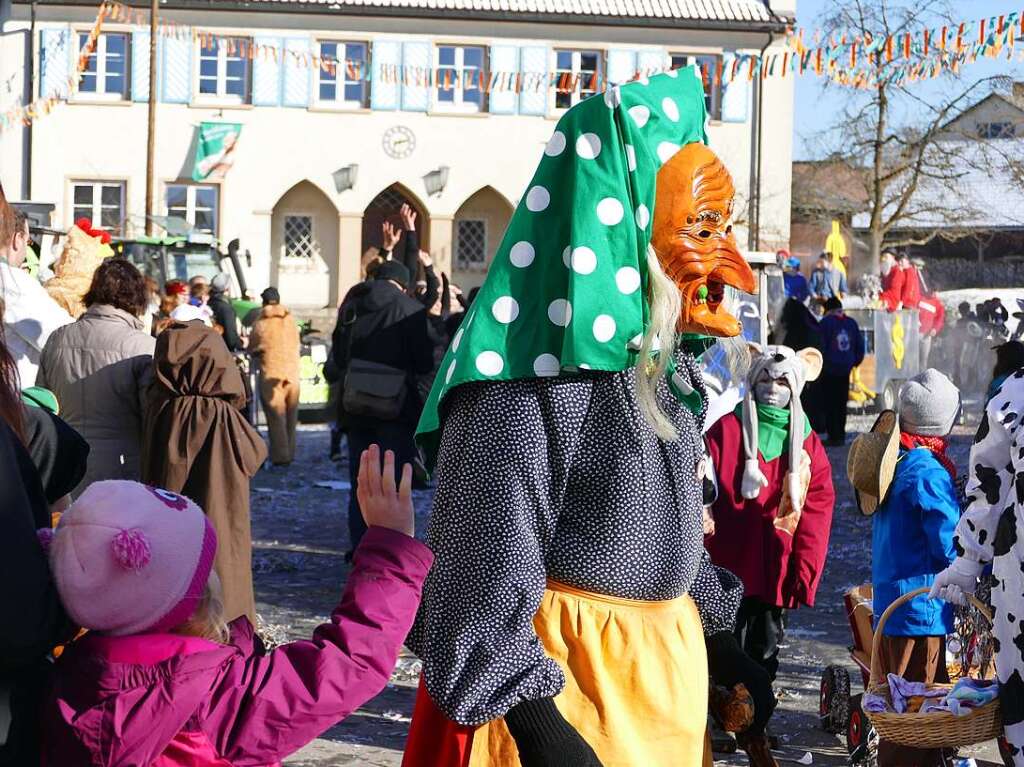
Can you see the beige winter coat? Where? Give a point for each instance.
(100, 368)
(275, 338)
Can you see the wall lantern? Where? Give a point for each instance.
(436, 180)
(345, 178)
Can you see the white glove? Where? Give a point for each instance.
(753, 480)
(956, 582)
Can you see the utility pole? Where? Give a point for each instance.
(151, 129)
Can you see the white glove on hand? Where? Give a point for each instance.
(753, 480)
(956, 582)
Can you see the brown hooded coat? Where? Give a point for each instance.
(199, 444)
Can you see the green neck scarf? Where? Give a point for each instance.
(772, 429)
(567, 289)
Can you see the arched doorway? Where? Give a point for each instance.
(479, 225)
(304, 246)
(385, 207)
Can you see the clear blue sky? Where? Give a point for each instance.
(815, 105)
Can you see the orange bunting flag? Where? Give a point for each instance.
(906, 45)
(981, 32)
(888, 48)
(926, 42)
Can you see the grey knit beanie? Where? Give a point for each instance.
(929, 403)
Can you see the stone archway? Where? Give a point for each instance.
(385, 207)
(479, 225)
(304, 246)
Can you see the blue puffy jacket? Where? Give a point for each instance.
(912, 541)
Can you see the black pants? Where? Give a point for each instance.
(835, 390)
(392, 435)
(810, 399)
(728, 666)
(760, 629)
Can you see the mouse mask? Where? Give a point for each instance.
(776, 364)
(692, 236)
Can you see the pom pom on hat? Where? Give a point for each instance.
(131, 549)
(45, 536)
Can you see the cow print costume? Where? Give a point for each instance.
(992, 530)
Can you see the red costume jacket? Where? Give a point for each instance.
(892, 287)
(911, 288)
(775, 567)
(933, 314)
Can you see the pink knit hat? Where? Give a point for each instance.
(129, 558)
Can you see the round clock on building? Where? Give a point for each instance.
(399, 142)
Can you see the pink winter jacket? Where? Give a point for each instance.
(163, 700)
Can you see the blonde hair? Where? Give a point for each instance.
(665, 306)
(207, 622)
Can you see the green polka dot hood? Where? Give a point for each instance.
(567, 287)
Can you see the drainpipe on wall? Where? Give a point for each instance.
(754, 195)
(30, 79)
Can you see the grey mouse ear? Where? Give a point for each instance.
(813, 362)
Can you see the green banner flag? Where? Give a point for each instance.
(215, 150)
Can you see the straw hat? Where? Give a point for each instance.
(871, 464)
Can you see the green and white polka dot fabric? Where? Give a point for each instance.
(566, 290)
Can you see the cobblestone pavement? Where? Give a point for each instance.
(300, 535)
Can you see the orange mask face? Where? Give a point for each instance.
(693, 239)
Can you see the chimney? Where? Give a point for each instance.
(1017, 94)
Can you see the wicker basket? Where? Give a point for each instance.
(938, 729)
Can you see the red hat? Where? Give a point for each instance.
(176, 288)
(86, 226)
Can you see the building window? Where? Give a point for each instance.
(106, 73)
(471, 244)
(225, 73)
(196, 204)
(101, 202)
(578, 75)
(298, 238)
(997, 130)
(344, 84)
(711, 70)
(461, 72)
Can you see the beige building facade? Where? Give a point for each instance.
(323, 159)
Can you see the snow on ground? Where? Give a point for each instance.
(300, 536)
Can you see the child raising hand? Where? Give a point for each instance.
(160, 679)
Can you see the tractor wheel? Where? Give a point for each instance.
(890, 395)
(833, 699)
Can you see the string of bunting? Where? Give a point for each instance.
(24, 114)
(855, 61)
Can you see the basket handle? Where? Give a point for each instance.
(875, 677)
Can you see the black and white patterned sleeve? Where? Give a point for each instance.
(991, 474)
(500, 470)
(717, 594)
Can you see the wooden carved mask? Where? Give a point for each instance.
(692, 236)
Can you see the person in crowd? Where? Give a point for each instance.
(795, 283)
(223, 312)
(910, 295)
(153, 298)
(892, 279)
(798, 329)
(165, 678)
(30, 315)
(773, 511)
(199, 289)
(178, 290)
(85, 248)
(990, 531)
(35, 621)
(275, 342)
(911, 498)
(843, 350)
(198, 443)
(381, 344)
(826, 282)
(932, 314)
(100, 367)
(1009, 359)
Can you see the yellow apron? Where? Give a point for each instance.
(636, 679)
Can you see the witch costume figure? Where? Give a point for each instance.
(564, 619)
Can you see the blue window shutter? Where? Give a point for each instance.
(140, 66)
(384, 88)
(735, 92)
(504, 60)
(177, 70)
(266, 74)
(297, 76)
(533, 63)
(417, 59)
(650, 62)
(621, 66)
(55, 52)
